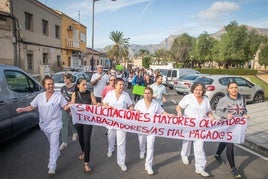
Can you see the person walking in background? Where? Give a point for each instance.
(109, 87)
(67, 91)
(99, 80)
(159, 90)
(231, 105)
(83, 96)
(50, 105)
(195, 105)
(150, 106)
(119, 99)
(147, 80)
(138, 80)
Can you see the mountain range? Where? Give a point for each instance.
(167, 43)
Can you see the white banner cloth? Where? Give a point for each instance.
(229, 130)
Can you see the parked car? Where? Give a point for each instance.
(164, 74)
(17, 89)
(183, 84)
(59, 82)
(176, 73)
(216, 86)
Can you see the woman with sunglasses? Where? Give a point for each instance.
(109, 87)
(83, 96)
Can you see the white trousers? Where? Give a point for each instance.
(199, 153)
(150, 148)
(54, 149)
(121, 144)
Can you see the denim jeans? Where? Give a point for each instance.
(66, 118)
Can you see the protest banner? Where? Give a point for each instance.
(231, 130)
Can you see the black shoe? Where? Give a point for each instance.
(220, 160)
(235, 173)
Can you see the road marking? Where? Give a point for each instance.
(252, 152)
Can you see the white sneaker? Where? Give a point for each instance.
(123, 167)
(142, 155)
(74, 137)
(202, 172)
(109, 154)
(63, 146)
(185, 160)
(149, 170)
(51, 171)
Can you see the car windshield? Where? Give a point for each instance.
(204, 80)
(58, 78)
(163, 72)
(188, 77)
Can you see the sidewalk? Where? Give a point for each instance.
(257, 128)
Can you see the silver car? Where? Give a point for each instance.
(216, 86)
(183, 84)
(59, 79)
(176, 73)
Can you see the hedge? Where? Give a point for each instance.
(227, 71)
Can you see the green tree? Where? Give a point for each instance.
(263, 56)
(181, 47)
(143, 53)
(146, 61)
(238, 45)
(161, 56)
(204, 45)
(120, 50)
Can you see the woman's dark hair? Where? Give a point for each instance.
(47, 77)
(68, 76)
(232, 82)
(118, 80)
(150, 89)
(79, 80)
(158, 76)
(198, 84)
(111, 77)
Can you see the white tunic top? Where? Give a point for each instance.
(122, 102)
(154, 107)
(50, 114)
(99, 86)
(194, 110)
(158, 92)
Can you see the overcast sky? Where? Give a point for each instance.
(151, 21)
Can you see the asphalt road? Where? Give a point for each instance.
(26, 156)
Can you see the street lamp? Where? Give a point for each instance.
(92, 58)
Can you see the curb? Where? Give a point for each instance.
(257, 148)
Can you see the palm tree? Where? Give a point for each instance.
(119, 51)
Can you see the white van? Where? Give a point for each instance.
(176, 73)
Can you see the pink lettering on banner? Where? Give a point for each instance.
(228, 130)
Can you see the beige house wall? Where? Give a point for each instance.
(73, 48)
(34, 41)
(6, 37)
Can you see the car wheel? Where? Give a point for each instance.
(258, 98)
(215, 100)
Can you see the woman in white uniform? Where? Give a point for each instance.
(119, 99)
(195, 105)
(150, 106)
(49, 104)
